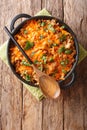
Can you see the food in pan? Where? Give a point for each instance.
(48, 44)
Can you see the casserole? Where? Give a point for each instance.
(49, 18)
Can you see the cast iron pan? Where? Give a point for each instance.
(14, 30)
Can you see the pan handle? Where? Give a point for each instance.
(16, 18)
(69, 84)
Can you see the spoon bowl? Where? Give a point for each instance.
(48, 85)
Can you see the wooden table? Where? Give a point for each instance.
(19, 110)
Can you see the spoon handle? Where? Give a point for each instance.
(19, 47)
(47, 84)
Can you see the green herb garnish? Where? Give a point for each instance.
(41, 37)
(64, 71)
(51, 59)
(63, 38)
(28, 45)
(45, 29)
(25, 31)
(27, 77)
(63, 26)
(62, 49)
(51, 28)
(42, 24)
(53, 45)
(36, 62)
(64, 62)
(67, 51)
(40, 67)
(25, 63)
(44, 58)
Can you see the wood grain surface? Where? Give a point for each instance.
(19, 110)
(75, 103)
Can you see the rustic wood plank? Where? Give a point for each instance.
(31, 7)
(55, 7)
(32, 112)
(11, 100)
(1, 41)
(0, 90)
(32, 109)
(73, 107)
(11, 95)
(53, 114)
(75, 99)
(75, 15)
(83, 68)
(53, 110)
(84, 81)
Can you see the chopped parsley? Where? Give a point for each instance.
(64, 62)
(40, 67)
(62, 49)
(68, 51)
(43, 24)
(53, 45)
(27, 77)
(44, 58)
(45, 29)
(51, 28)
(63, 38)
(37, 62)
(25, 63)
(28, 45)
(41, 37)
(64, 71)
(25, 31)
(63, 26)
(51, 59)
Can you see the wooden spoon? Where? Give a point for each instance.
(48, 85)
